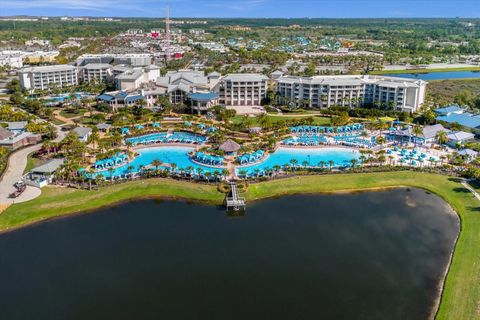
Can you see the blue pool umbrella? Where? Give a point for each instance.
(139, 126)
(156, 125)
(125, 130)
(187, 124)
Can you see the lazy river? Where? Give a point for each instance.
(179, 156)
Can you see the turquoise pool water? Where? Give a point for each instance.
(282, 156)
(167, 155)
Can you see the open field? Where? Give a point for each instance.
(425, 70)
(443, 92)
(460, 299)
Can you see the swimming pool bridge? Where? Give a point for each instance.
(233, 201)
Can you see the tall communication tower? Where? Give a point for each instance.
(167, 32)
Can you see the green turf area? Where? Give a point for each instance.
(461, 296)
(67, 114)
(425, 70)
(32, 163)
(57, 122)
(317, 120)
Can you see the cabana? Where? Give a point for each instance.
(229, 147)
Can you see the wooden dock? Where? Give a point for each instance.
(233, 201)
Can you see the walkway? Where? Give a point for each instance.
(14, 172)
(469, 187)
(17, 163)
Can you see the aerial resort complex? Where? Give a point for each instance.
(239, 168)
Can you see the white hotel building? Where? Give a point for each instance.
(243, 89)
(352, 90)
(42, 78)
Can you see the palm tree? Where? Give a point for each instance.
(243, 173)
(111, 170)
(225, 173)
(305, 163)
(173, 165)
(141, 168)
(208, 175)
(353, 162)
(156, 163)
(322, 164)
(330, 164)
(441, 137)
(130, 169)
(417, 130)
(294, 162)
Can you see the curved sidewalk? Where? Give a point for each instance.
(14, 172)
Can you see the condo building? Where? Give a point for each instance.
(352, 91)
(96, 72)
(243, 89)
(42, 78)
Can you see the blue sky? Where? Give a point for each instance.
(246, 8)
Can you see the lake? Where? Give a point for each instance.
(369, 255)
(446, 75)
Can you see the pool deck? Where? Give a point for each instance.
(164, 145)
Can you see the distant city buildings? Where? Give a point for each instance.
(12, 60)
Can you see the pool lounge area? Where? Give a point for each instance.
(301, 157)
(165, 137)
(167, 155)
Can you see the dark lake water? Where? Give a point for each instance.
(447, 75)
(371, 255)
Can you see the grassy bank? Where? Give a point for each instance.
(461, 297)
(425, 70)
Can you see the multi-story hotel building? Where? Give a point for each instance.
(96, 72)
(243, 89)
(351, 91)
(41, 78)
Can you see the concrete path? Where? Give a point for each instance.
(14, 172)
(17, 163)
(469, 187)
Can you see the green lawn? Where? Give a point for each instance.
(32, 163)
(317, 120)
(461, 297)
(425, 70)
(57, 122)
(69, 115)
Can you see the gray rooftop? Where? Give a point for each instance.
(49, 167)
(353, 80)
(58, 67)
(5, 134)
(242, 77)
(82, 131)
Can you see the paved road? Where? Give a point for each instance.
(469, 187)
(16, 164)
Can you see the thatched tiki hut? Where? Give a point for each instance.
(230, 147)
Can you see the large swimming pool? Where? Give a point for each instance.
(167, 155)
(313, 157)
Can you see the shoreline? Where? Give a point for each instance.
(457, 298)
(440, 287)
